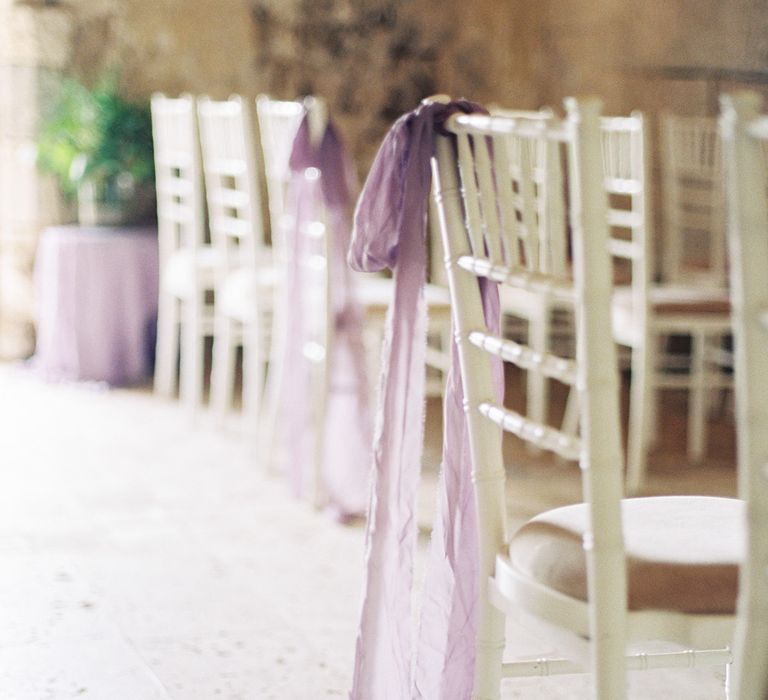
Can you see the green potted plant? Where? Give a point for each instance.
(99, 147)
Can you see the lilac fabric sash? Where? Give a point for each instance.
(324, 196)
(390, 232)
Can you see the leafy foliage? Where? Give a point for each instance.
(93, 133)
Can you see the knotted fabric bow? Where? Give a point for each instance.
(334, 428)
(389, 232)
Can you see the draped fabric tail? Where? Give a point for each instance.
(348, 422)
(293, 422)
(382, 663)
(448, 626)
(390, 232)
(323, 197)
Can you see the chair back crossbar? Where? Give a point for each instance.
(234, 209)
(185, 314)
(490, 219)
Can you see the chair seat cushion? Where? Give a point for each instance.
(689, 300)
(238, 292)
(678, 300)
(186, 268)
(665, 301)
(683, 552)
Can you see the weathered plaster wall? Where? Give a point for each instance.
(205, 46)
(652, 55)
(198, 46)
(372, 60)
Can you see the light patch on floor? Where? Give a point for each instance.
(144, 557)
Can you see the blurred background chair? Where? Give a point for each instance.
(245, 279)
(689, 303)
(187, 263)
(318, 422)
(278, 123)
(571, 567)
(624, 146)
(546, 323)
(745, 146)
(694, 206)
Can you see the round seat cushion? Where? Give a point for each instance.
(682, 552)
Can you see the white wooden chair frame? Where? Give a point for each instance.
(537, 309)
(745, 143)
(278, 122)
(246, 276)
(187, 263)
(690, 151)
(693, 199)
(474, 249)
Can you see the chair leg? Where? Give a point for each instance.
(538, 385)
(319, 413)
(167, 346)
(192, 356)
(641, 399)
(253, 374)
(654, 369)
(570, 424)
(223, 366)
(697, 397)
(267, 429)
(490, 651)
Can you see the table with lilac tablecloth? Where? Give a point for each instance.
(96, 303)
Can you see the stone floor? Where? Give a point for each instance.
(144, 557)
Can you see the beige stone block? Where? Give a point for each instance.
(655, 94)
(36, 35)
(20, 101)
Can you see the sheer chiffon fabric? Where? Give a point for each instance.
(389, 232)
(324, 197)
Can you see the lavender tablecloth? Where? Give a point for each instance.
(96, 303)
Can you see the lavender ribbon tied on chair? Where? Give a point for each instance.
(345, 459)
(389, 232)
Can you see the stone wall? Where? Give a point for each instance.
(371, 59)
(375, 59)
(205, 46)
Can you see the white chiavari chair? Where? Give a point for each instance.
(624, 145)
(302, 247)
(547, 321)
(315, 290)
(745, 146)
(278, 122)
(693, 203)
(245, 280)
(187, 264)
(608, 570)
(691, 300)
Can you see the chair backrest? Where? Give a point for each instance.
(291, 196)
(625, 166)
(543, 231)
(302, 233)
(279, 121)
(481, 223)
(229, 167)
(178, 174)
(694, 209)
(745, 146)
